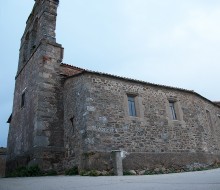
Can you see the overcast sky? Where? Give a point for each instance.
(169, 42)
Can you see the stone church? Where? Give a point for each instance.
(65, 116)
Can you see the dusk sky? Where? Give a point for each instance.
(169, 42)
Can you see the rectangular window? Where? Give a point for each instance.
(131, 106)
(22, 99)
(172, 110)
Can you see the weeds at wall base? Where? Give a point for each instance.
(32, 171)
(72, 171)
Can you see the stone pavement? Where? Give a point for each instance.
(203, 180)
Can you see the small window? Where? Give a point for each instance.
(172, 110)
(23, 99)
(131, 106)
(209, 119)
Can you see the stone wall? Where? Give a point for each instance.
(75, 112)
(39, 123)
(103, 123)
(3, 152)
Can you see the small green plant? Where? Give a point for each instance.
(34, 171)
(89, 173)
(72, 171)
(127, 173)
(83, 173)
(51, 173)
(93, 173)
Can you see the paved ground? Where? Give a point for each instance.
(203, 180)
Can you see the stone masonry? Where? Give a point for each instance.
(64, 116)
(98, 104)
(36, 127)
(3, 152)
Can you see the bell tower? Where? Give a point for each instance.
(36, 126)
(41, 24)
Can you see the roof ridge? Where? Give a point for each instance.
(127, 78)
(71, 66)
(136, 80)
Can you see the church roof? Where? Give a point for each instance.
(82, 71)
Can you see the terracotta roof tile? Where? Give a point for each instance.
(71, 66)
